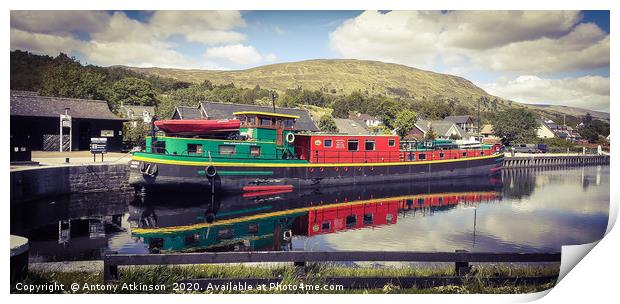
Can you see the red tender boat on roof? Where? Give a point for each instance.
(198, 126)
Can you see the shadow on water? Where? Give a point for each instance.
(434, 215)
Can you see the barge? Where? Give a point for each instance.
(266, 153)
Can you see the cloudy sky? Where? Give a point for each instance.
(551, 57)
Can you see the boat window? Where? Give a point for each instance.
(411, 156)
(265, 122)
(464, 154)
(227, 150)
(288, 123)
(440, 200)
(422, 156)
(353, 145)
(225, 234)
(368, 219)
(251, 121)
(191, 239)
(391, 142)
(158, 146)
(325, 226)
(255, 151)
(253, 228)
(351, 221)
(194, 149)
(370, 145)
(327, 143)
(481, 152)
(441, 155)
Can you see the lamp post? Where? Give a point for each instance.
(273, 100)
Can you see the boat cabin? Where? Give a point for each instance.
(341, 148)
(260, 135)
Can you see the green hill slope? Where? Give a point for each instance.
(339, 76)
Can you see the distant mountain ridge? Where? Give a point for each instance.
(339, 76)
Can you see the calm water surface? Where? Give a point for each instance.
(526, 210)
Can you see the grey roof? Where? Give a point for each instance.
(31, 104)
(441, 127)
(459, 119)
(350, 126)
(187, 113)
(217, 110)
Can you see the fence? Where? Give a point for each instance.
(460, 258)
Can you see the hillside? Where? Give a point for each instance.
(572, 111)
(338, 76)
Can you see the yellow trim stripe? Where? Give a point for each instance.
(265, 114)
(298, 210)
(215, 139)
(306, 165)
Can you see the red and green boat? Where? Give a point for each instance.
(266, 153)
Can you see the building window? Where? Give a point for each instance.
(227, 150)
(107, 133)
(265, 122)
(370, 145)
(194, 149)
(253, 228)
(351, 221)
(368, 219)
(391, 142)
(327, 143)
(422, 156)
(255, 151)
(353, 145)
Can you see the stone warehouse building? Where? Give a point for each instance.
(35, 122)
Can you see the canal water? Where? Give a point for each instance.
(521, 210)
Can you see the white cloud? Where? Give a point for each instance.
(236, 53)
(512, 41)
(59, 21)
(43, 43)
(114, 38)
(589, 92)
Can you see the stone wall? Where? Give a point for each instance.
(36, 183)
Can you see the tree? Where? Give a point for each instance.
(328, 124)
(66, 77)
(430, 135)
(515, 125)
(405, 121)
(132, 91)
(135, 136)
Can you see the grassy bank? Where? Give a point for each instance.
(168, 275)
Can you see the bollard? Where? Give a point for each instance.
(461, 268)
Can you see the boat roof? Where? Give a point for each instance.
(266, 114)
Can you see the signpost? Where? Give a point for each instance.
(98, 145)
(65, 122)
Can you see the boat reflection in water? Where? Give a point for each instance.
(271, 220)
